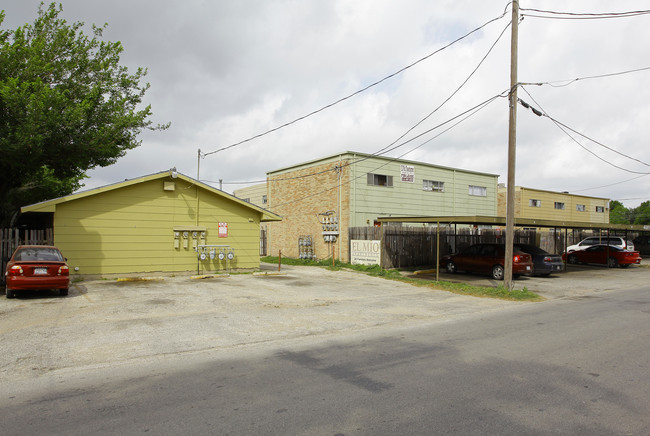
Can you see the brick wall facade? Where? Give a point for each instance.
(299, 197)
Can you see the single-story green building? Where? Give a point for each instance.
(164, 222)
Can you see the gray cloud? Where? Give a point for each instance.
(223, 71)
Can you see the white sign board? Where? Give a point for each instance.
(365, 252)
(407, 172)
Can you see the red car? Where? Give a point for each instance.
(609, 255)
(36, 267)
(487, 259)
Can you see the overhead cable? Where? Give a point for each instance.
(401, 70)
(564, 129)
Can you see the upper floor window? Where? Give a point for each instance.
(600, 209)
(432, 185)
(534, 203)
(559, 205)
(478, 191)
(380, 180)
(264, 199)
(580, 207)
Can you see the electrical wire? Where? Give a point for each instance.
(464, 115)
(564, 129)
(388, 148)
(571, 81)
(555, 15)
(401, 70)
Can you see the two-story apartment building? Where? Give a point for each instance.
(321, 199)
(558, 206)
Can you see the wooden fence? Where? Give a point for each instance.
(11, 238)
(416, 246)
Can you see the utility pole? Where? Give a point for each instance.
(512, 149)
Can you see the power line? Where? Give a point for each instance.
(564, 129)
(401, 70)
(571, 81)
(555, 15)
(464, 115)
(387, 148)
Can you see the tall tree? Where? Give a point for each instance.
(618, 214)
(642, 213)
(66, 106)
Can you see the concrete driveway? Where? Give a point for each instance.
(105, 322)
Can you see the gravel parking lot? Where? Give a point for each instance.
(105, 322)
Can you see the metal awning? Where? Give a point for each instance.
(519, 222)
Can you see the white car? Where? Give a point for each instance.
(616, 241)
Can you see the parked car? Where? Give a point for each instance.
(609, 255)
(487, 259)
(36, 267)
(544, 263)
(616, 241)
(642, 244)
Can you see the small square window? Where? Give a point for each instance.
(559, 205)
(600, 209)
(580, 207)
(535, 203)
(263, 199)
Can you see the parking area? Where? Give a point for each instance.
(105, 322)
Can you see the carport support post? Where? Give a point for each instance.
(438, 251)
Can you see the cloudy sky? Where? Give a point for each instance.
(224, 71)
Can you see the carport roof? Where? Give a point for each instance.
(501, 221)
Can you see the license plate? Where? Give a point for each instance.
(527, 268)
(40, 271)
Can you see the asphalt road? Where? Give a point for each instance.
(572, 365)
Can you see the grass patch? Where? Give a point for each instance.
(499, 292)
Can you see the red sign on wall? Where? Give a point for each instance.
(223, 230)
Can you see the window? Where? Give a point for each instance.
(432, 185)
(600, 209)
(263, 199)
(478, 191)
(559, 205)
(247, 200)
(534, 203)
(380, 180)
(580, 207)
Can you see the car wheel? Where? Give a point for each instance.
(10, 293)
(497, 272)
(63, 292)
(451, 267)
(573, 259)
(612, 262)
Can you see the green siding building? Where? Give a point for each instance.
(161, 222)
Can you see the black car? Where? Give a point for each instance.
(544, 263)
(642, 244)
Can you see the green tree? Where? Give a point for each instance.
(618, 214)
(66, 106)
(642, 213)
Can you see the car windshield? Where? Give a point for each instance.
(38, 254)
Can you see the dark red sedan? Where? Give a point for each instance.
(487, 259)
(35, 267)
(609, 255)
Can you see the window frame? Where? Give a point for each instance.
(433, 185)
(373, 178)
(482, 190)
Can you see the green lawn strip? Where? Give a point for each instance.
(375, 270)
